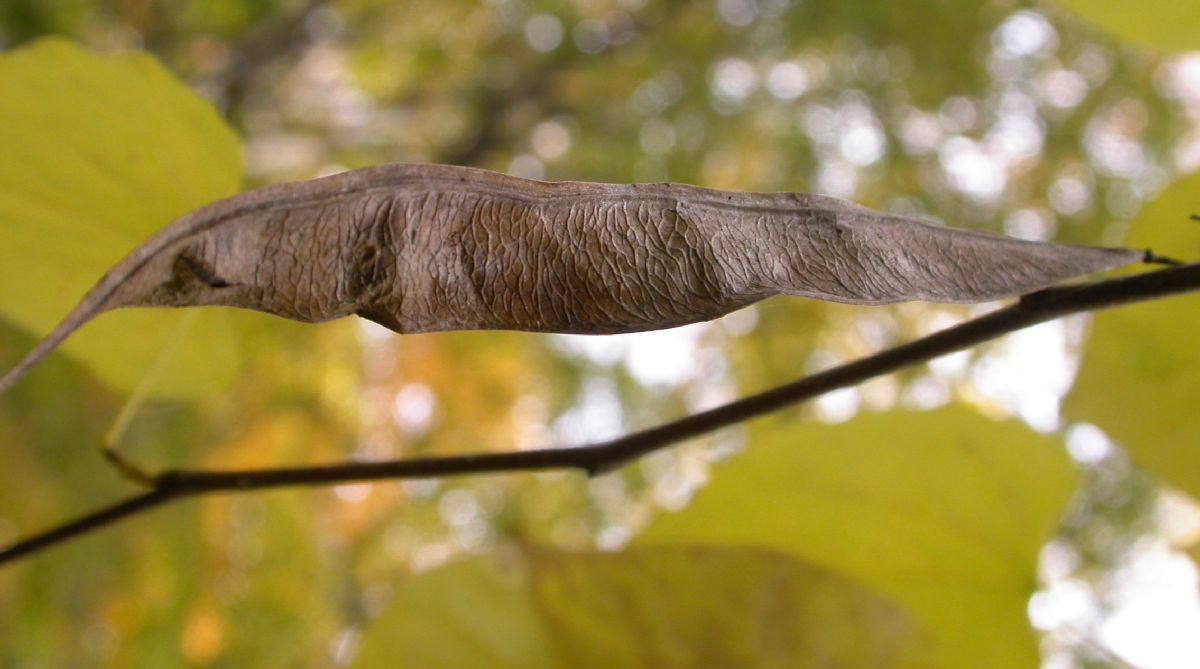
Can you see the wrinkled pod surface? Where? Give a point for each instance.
(424, 248)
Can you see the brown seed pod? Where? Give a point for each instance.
(424, 248)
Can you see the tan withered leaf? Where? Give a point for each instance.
(424, 248)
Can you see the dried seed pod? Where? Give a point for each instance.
(423, 248)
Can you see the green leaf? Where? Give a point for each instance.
(100, 152)
(944, 512)
(652, 607)
(1163, 25)
(1138, 380)
(475, 613)
(716, 606)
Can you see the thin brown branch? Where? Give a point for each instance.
(605, 456)
(80, 526)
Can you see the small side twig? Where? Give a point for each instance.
(1152, 258)
(603, 457)
(128, 469)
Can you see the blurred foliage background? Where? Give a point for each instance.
(1007, 116)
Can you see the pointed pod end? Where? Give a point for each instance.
(1111, 257)
(1071, 261)
(39, 353)
(8, 380)
(92, 304)
(1018, 267)
(15, 374)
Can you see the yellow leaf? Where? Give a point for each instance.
(469, 614)
(100, 152)
(1163, 25)
(944, 512)
(657, 608)
(1138, 380)
(713, 606)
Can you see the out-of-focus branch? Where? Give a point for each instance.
(274, 39)
(531, 86)
(605, 456)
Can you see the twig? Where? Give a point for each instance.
(1152, 258)
(603, 457)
